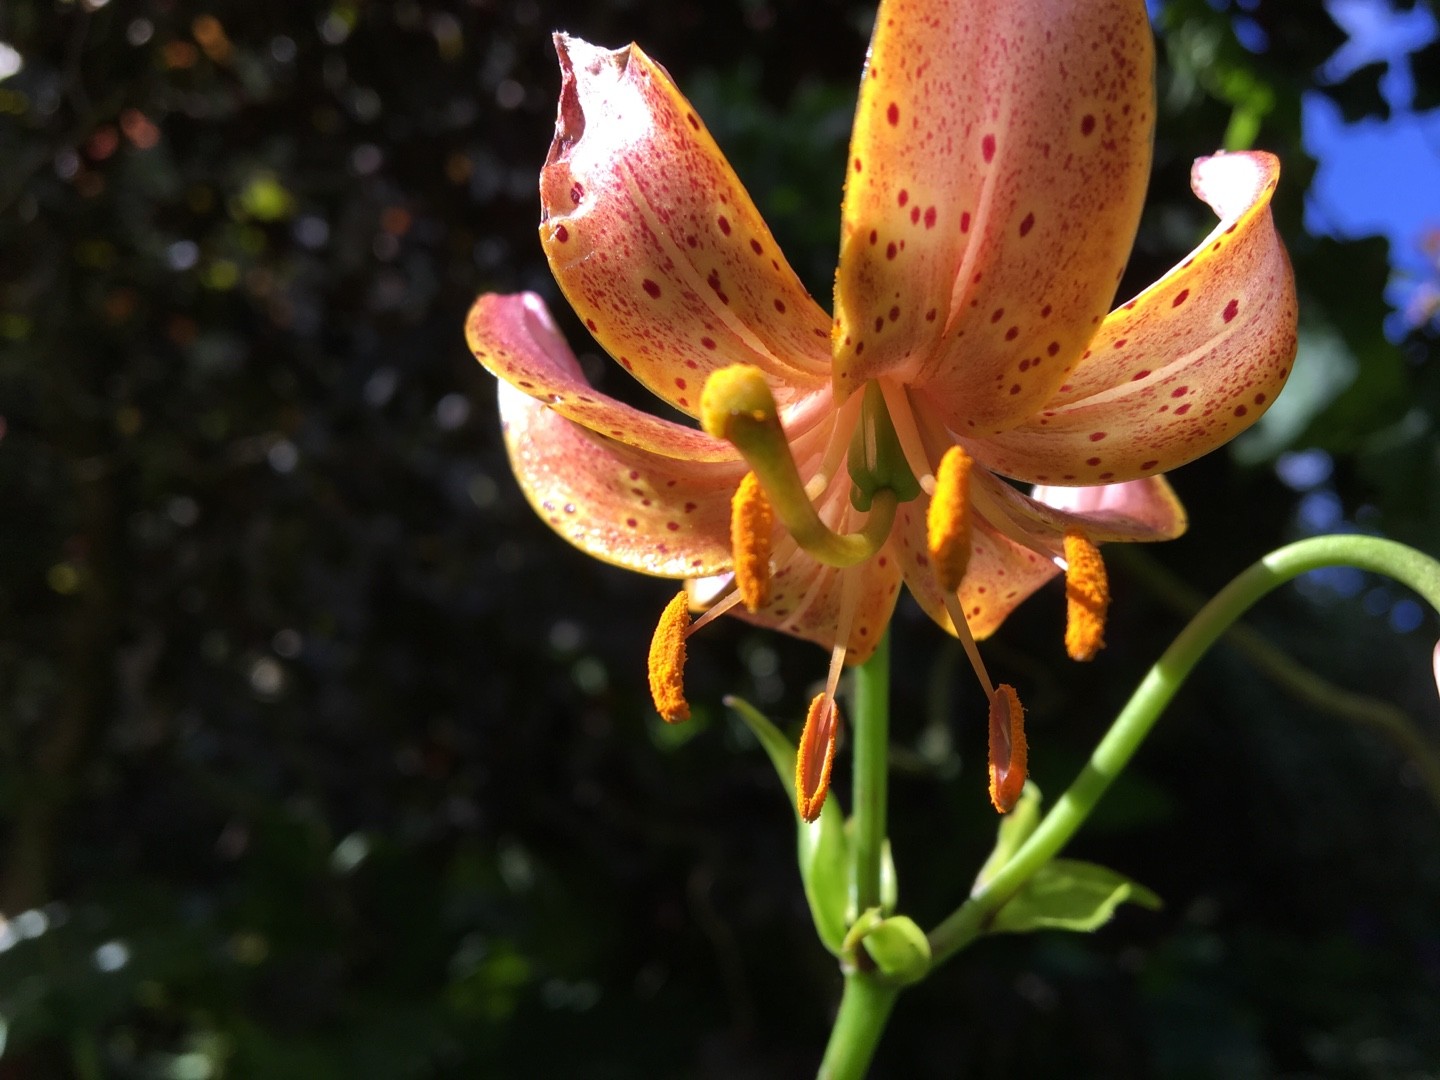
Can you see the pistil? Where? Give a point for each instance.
(737, 405)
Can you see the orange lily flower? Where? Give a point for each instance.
(994, 184)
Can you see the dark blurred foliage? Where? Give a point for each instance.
(321, 757)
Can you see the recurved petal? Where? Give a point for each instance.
(997, 170)
(617, 502)
(515, 338)
(656, 243)
(1185, 366)
(1001, 573)
(1138, 510)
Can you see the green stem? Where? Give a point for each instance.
(1387, 557)
(864, 1009)
(1316, 692)
(866, 1003)
(871, 721)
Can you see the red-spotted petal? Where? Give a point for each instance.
(1185, 366)
(997, 170)
(657, 245)
(1001, 573)
(516, 339)
(617, 502)
(805, 601)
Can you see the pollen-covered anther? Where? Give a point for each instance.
(752, 522)
(947, 522)
(667, 661)
(1087, 597)
(816, 756)
(1008, 750)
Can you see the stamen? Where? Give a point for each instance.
(1008, 751)
(844, 622)
(947, 521)
(816, 756)
(751, 522)
(715, 610)
(908, 432)
(967, 641)
(1087, 597)
(817, 741)
(667, 660)
(998, 513)
(837, 445)
(991, 500)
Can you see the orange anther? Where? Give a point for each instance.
(1008, 751)
(667, 661)
(752, 520)
(947, 522)
(1087, 597)
(816, 756)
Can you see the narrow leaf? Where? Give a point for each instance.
(1067, 894)
(820, 846)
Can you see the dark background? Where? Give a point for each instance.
(320, 756)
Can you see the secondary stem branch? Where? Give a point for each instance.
(1387, 557)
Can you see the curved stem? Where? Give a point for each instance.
(871, 719)
(1387, 557)
(864, 1009)
(1303, 683)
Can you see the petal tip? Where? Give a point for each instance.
(1233, 182)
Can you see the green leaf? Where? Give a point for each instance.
(1015, 828)
(1066, 894)
(897, 945)
(821, 847)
